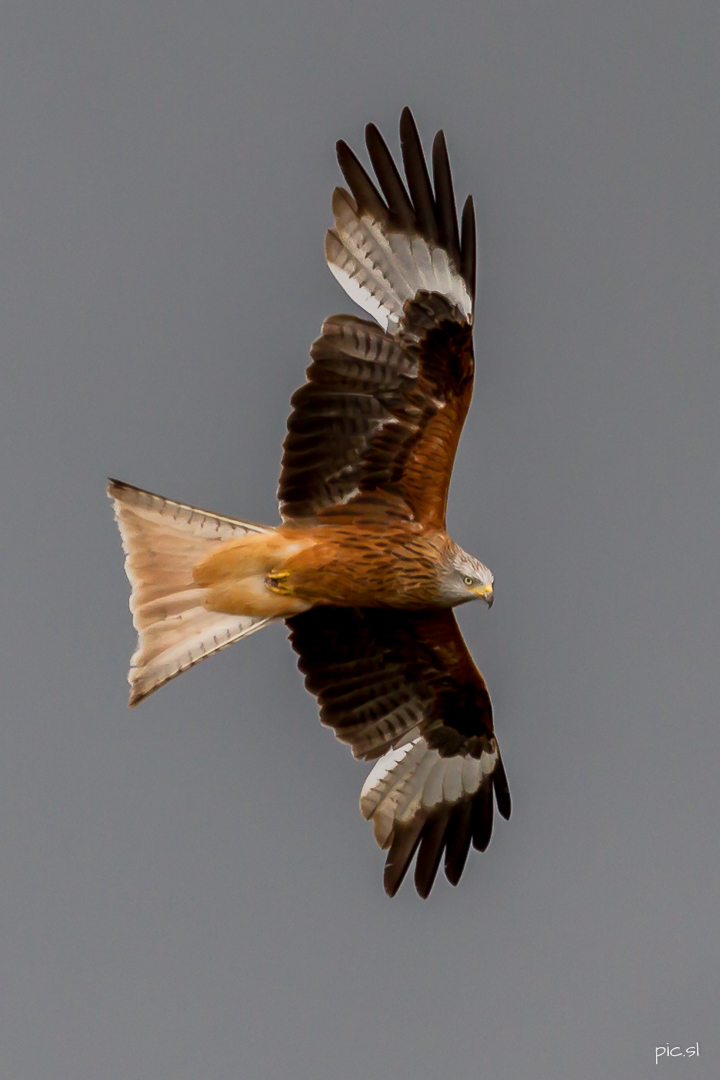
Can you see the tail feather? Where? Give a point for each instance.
(164, 541)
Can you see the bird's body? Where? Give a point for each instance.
(280, 574)
(361, 566)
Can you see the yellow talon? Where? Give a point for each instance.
(277, 582)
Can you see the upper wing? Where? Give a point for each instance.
(381, 413)
(403, 685)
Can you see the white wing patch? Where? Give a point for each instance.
(411, 780)
(381, 269)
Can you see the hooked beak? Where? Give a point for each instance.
(486, 593)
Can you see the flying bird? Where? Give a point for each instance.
(361, 567)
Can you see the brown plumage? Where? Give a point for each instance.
(361, 566)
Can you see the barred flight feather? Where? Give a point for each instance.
(375, 408)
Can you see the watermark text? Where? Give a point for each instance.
(668, 1051)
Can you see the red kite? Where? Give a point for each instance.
(361, 568)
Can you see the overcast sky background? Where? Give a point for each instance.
(187, 890)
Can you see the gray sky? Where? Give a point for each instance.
(187, 890)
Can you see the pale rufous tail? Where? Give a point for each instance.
(164, 541)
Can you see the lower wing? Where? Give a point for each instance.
(401, 687)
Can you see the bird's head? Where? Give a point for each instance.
(466, 578)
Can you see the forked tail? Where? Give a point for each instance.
(163, 542)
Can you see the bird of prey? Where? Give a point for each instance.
(361, 567)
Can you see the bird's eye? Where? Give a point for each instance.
(468, 581)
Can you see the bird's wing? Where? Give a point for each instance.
(380, 415)
(402, 687)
